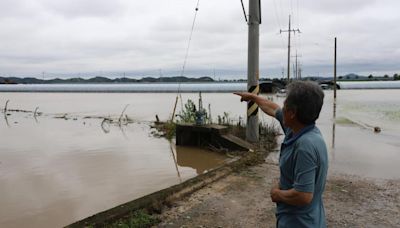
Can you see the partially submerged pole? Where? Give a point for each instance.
(252, 132)
(173, 113)
(334, 74)
(334, 100)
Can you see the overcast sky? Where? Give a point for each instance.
(148, 37)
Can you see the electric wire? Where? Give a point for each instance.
(298, 37)
(187, 52)
(244, 11)
(278, 22)
(276, 14)
(291, 7)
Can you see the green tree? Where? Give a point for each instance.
(370, 76)
(188, 114)
(396, 77)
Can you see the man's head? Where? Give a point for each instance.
(304, 99)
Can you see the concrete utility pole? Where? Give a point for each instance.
(334, 74)
(334, 101)
(296, 70)
(289, 31)
(252, 129)
(300, 71)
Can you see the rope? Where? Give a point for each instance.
(278, 19)
(299, 44)
(276, 15)
(187, 50)
(291, 7)
(185, 60)
(244, 11)
(190, 39)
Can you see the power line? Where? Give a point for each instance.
(291, 6)
(298, 14)
(289, 31)
(298, 38)
(244, 11)
(190, 38)
(276, 15)
(184, 62)
(278, 21)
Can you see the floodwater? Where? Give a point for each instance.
(54, 171)
(354, 147)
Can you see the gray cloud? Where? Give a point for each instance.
(141, 37)
(337, 7)
(84, 8)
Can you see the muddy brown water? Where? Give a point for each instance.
(56, 171)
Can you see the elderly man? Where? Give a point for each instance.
(303, 160)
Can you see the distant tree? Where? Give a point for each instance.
(386, 76)
(396, 77)
(370, 76)
(340, 77)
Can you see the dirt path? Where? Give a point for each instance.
(242, 200)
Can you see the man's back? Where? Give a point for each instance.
(304, 165)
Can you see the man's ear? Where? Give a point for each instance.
(292, 114)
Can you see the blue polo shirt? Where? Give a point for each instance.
(303, 164)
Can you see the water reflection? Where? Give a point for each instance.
(173, 152)
(6, 119)
(199, 159)
(105, 126)
(333, 128)
(51, 167)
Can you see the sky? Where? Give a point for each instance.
(69, 38)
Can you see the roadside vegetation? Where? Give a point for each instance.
(137, 219)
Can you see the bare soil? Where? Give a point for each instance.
(242, 200)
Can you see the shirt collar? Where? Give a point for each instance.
(291, 138)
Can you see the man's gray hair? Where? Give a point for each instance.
(306, 99)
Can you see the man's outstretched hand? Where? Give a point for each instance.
(245, 96)
(265, 105)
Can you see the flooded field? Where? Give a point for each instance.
(54, 171)
(353, 145)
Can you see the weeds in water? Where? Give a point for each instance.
(188, 114)
(169, 129)
(5, 107)
(224, 119)
(122, 114)
(268, 134)
(166, 130)
(345, 121)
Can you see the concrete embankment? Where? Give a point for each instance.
(153, 203)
